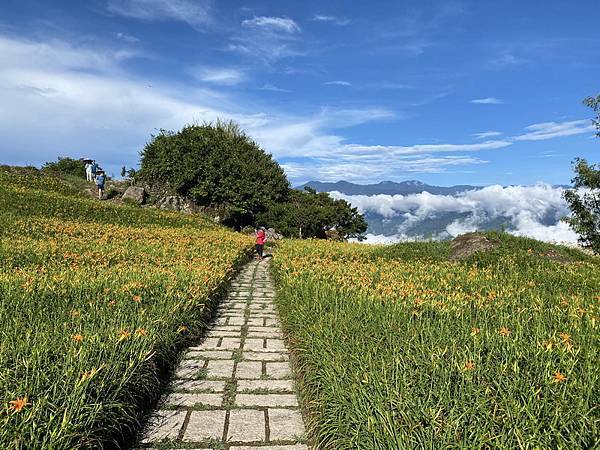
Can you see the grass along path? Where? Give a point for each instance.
(234, 390)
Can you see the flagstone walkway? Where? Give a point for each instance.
(234, 390)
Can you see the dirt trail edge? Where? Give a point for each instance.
(235, 390)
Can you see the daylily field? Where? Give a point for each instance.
(397, 347)
(394, 347)
(95, 301)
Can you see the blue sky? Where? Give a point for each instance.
(454, 92)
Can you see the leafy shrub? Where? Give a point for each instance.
(66, 166)
(215, 164)
(309, 214)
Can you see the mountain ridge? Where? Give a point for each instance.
(387, 187)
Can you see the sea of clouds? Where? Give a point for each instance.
(532, 211)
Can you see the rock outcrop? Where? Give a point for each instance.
(134, 194)
(467, 244)
(177, 203)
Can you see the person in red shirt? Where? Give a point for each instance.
(261, 237)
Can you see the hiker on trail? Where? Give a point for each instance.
(94, 169)
(100, 179)
(261, 237)
(88, 171)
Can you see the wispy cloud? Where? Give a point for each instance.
(194, 12)
(507, 59)
(273, 23)
(336, 20)
(266, 39)
(273, 88)
(488, 101)
(551, 130)
(219, 75)
(486, 134)
(127, 38)
(337, 83)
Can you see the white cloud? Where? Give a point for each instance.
(551, 130)
(127, 38)
(219, 75)
(337, 83)
(193, 12)
(532, 211)
(486, 134)
(273, 23)
(336, 20)
(273, 88)
(488, 101)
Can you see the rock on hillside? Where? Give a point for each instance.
(135, 194)
(467, 244)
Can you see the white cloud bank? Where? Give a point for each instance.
(532, 211)
(488, 101)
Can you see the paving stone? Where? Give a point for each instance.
(276, 344)
(253, 344)
(199, 385)
(209, 354)
(249, 369)
(164, 425)
(237, 321)
(285, 425)
(178, 399)
(246, 425)
(220, 368)
(272, 322)
(265, 385)
(278, 370)
(265, 329)
(230, 343)
(210, 342)
(265, 356)
(262, 334)
(269, 400)
(237, 333)
(205, 425)
(220, 328)
(256, 321)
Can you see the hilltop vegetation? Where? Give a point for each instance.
(398, 347)
(95, 301)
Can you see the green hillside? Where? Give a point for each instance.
(95, 301)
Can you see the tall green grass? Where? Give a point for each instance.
(399, 348)
(95, 301)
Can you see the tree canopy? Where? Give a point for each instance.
(310, 214)
(215, 165)
(584, 198)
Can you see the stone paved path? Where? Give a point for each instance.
(235, 390)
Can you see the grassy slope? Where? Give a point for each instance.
(95, 299)
(399, 348)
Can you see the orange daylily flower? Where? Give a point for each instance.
(124, 335)
(182, 329)
(559, 377)
(504, 332)
(19, 403)
(78, 337)
(469, 365)
(141, 332)
(475, 331)
(137, 298)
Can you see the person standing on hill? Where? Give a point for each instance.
(88, 171)
(94, 169)
(100, 179)
(261, 237)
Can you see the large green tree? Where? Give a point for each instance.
(584, 198)
(215, 165)
(309, 214)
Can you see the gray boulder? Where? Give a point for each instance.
(177, 203)
(135, 194)
(467, 244)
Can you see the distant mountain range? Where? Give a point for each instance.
(387, 187)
